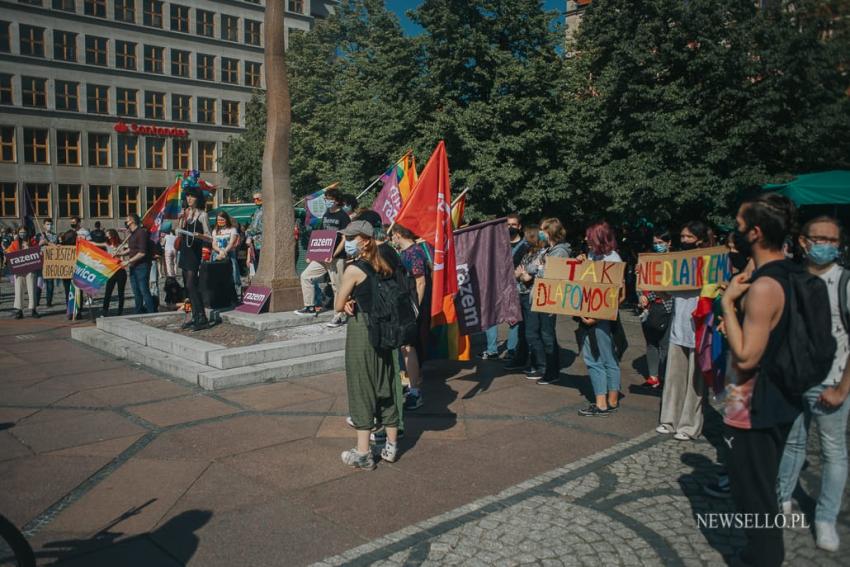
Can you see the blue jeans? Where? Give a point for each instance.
(604, 370)
(832, 426)
(139, 275)
(237, 277)
(492, 335)
(542, 342)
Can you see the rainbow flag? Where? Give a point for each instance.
(314, 208)
(94, 267)
(407, 176)
(74, 300)
(167, 207)
(457, 212)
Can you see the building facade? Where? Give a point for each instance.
(574, 14)
(104, 102)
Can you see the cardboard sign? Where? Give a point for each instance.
(59, 262)
(254, 299)
(683, 271)
(24, 261)
(583, 288)
(322, 245)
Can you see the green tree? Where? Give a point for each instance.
(242, 158)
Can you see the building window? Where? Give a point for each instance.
(152, 194)
(252, 32)
(8, 199)
(64, 46)
(67, 96)
(100, 201)
(65, 5)
(252, 74)
(229, 70)
(154, 153)
(7, 144)
(99, 150)
(68, 148)
(230, 113)
(206, 110)
(97, 99)
(96, 50)
(181, 108)
(127, 100)
(125, 11)
(229, 28)
(70, 200)
(34, 92)
(153, 59)
(179, 63)
(205, 23)
(206, 151)
(128, 151)
(32, 40)
(181, 154)
(155, 105)
(296, 6)
(95, 8)
(206, 67)
(36, 146)
(125, 55)
(179, 18)
(5, 40)
(6, 89)
(128, 201)
(152, 13)
(39, 194)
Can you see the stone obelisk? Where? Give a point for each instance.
(277, 258)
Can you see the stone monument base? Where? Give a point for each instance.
(285, 296)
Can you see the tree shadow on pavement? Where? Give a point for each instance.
(172, 543)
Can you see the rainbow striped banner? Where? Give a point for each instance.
(94, 267)
(166, 207)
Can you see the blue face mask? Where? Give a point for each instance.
(330, 204)
(346, 208)
(542, 236)
(822, 254)
(660, 247)
(351, 248)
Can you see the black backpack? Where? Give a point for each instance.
(392, 319)
(805, 354)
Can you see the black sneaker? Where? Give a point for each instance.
(20, 314)
(613, 409)
(413, 402)
(488, 355)
(549, 380)
(593, 411)
(34, 314)
(534, 374)
(308, 311)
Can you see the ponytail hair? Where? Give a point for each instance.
(372, 255)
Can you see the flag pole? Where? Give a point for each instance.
(333, 185)
(459, 197)
(366, 190)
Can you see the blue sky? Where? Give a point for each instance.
(401, 6)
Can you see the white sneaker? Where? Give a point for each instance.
(664, 429)
(389, 452)
(827, 537)
(681, 436)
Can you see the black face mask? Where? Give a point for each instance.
(688, 246)
(513, 231)
(742, 243)
(738, 261)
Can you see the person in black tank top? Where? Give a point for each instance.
(193, 220)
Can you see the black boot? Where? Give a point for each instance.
(34, 314)
(553, 368)
(200, 322)
(19, 314)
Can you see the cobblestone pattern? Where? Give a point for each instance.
(632, 505)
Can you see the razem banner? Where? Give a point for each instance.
(487, 293)
(321, 245)
(24, 261)
(581, 288)
(254, 299)
(683, 271)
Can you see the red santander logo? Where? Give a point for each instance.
(148, 130)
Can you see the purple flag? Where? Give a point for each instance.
(487, 292)
(388, 203)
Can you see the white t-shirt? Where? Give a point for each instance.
(611, 256)
(169, 242)
(682, 327)
(832, 278)
(222, 236)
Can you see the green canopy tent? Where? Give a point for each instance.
(242, 212)
(824, 188)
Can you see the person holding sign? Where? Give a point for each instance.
(656, 309)
(47, 238)
(540, 327)
(597, 335)
(684, 387)
(23, 242)
(119, 278)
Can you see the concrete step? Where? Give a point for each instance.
(158, 339)
(169, 364)
(272, 371)
(273, 321)
(226, 359)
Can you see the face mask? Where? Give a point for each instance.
(542, 236)
(738, 261)
(330, 204)
(221, 223)
(48, 227)
(688, 246)
(513, 231)
(822, 254)
(660, 247)
(73, 226)
(346, 208)
(351, 248)
(742, 243)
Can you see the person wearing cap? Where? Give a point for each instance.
(255, 230)
(370, 373)
(193, 220)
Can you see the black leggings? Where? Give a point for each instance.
(193, 290)
(119, 279)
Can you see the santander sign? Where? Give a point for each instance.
(147, 130)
